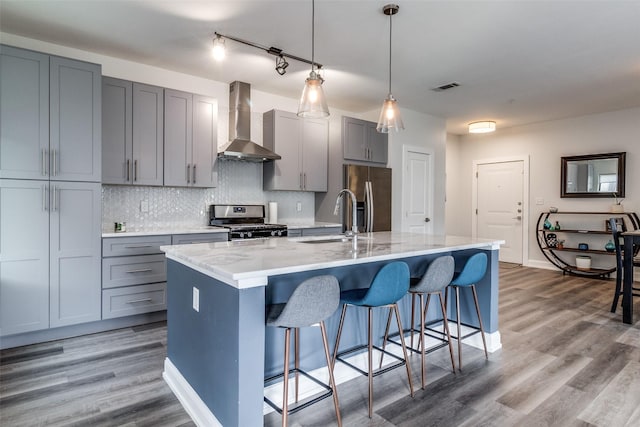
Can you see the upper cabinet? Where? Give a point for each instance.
(190, 132)
(361, 141)
(303, 145)
(50, 117)
(132, 133)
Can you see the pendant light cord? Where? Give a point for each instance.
(390, 34)
(313, 33)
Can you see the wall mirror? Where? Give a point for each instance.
(593, 175)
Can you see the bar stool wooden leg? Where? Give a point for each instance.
(386, 335)
(404, 348)
(413, 304)
(423, 316)
(332, 382)
(370, 343)
(340, 325)
(458, 323)
(297, 359)
(475, 300)
(446, 328)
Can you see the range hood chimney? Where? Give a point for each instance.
(240, 146)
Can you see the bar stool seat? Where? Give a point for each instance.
(472, 272)
(388, 286)
(311, 303)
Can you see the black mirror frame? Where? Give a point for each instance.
(621, 174)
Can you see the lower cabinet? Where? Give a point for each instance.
(49, 254)
(134, 274)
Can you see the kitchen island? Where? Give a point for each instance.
(218, 350)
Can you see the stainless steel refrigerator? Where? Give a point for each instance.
(372, 187)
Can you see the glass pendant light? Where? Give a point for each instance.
(312, 102)
(390, 118)
(218, 51)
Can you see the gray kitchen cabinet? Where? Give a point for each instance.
(24, 113)
(184, 239)
(75, 224)
(304, 147)
(49, 254)
(361, 141)
(134, 275)
(75, 106)
(132, 133)
(50, 117)
(190, 131)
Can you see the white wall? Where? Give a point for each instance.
(545, 143)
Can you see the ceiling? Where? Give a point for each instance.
(517, 62)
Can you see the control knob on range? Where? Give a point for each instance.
(248, 234)
(279, 233)
(273, 233)
(241, 234)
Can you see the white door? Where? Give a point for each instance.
(418, 195)
(500, 206)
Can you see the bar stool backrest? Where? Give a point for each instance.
(438, 275)
(473, 271)
(389, 285)
(312, 301)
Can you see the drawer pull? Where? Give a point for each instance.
(138, 246)
(139, 300)
(143, 270)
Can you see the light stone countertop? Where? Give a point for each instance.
(169, 231)
(248, 263)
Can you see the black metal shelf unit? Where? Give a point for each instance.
(551, 252)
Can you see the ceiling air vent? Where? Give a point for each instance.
(445, 87)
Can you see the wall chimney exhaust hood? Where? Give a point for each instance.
(240, 146)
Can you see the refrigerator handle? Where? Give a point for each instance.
(371, 205)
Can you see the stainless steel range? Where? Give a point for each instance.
(244, 221)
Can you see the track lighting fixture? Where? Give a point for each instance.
(281, 61)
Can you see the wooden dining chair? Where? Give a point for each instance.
(617, 228)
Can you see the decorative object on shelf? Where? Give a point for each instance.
(553, 209)
(619, 223)
(583, 262)
(557, 226)
(390, 118)
(617, 207)
(547, 224)
(610, 247)
(120, 227)
(552, 240)
(560, 244)
(583, 246)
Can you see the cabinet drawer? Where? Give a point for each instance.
(134, 300)
(137, 270)
(143, 245)
(184, 239)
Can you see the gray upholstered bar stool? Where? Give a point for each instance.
(434, 281)
(312, 301)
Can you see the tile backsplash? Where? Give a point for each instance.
(174, 207)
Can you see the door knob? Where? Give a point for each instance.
(427, 219)
(519, 217)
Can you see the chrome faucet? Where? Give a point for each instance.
(354, 225)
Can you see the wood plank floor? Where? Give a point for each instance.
(566, 361)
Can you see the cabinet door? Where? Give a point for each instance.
(282, 132)
(24, 256)
(377, 143)
(354, 138)
(75, 243)
(178, 126)
(148, 110)
(315, 137)
(116, 131)
(75, 118)
(24, 113)
(205, 142)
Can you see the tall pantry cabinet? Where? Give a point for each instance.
(50, 192)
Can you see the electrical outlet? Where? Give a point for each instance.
(299, 207)
(196, 299)
(144, 206)
(539, 201)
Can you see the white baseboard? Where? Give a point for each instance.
(191, 402)
(494, 342)
(545, 265)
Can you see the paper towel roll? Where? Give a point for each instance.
(273, 212)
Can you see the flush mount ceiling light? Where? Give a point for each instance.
(484, 126)
(219, 50)
(312, 102)
(390, 118)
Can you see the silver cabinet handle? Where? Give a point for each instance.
(305, 181)
(44, 198)
(138, 246)
(139, 300)
(54, 167)
(142, 270)
(54, 204)
(128, 170)
(300, 181)
(44, 162)
(135, 170)
(188, 173)
(194, 174)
